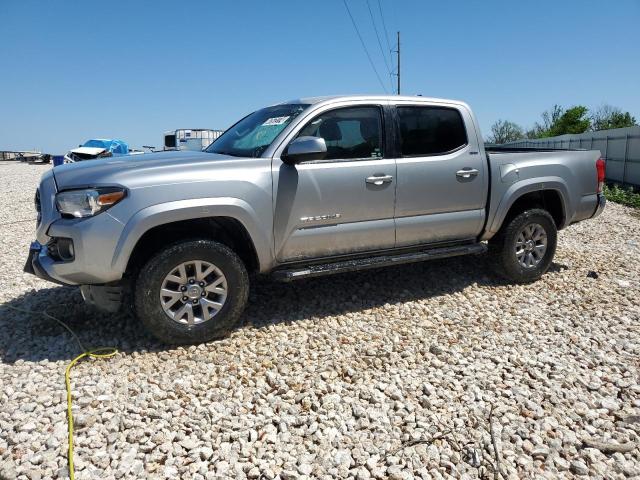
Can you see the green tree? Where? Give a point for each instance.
(559, 121)
(606, 117)
(504, 131)
(549, 118)
(573, 120)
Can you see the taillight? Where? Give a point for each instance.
(600, 167)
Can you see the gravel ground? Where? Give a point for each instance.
(386, 374)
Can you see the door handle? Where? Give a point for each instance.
(379, 179)
(467, 173)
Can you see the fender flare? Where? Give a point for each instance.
(523, 187)
(169, 212)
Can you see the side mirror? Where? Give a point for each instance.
(303, 149)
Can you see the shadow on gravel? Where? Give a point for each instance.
(34, 338)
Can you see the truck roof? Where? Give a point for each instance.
(412, 98)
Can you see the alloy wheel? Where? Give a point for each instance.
(531, 245)
(193, 292)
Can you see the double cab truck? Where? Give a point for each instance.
(300, 189)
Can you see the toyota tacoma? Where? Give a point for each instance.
(300, 189)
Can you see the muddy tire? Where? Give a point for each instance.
(191, 292)
(524, 248)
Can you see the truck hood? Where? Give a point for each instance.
(88, 150)
(134, 170)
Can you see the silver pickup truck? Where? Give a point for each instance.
(300, 189)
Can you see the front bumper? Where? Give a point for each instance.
(34, 267)
(602, 201)
(108, 298)
(94, 240)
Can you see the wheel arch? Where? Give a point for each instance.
(231, 222)
(551, 195)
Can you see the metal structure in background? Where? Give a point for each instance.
(620, 148)
(195, 139)
(398, 65)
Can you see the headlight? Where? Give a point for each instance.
(88, 202)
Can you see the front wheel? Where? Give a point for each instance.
(191, 292)
(525, 246)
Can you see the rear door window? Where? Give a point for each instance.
(430, 131)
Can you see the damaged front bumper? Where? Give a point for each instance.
(109, 298)
(34, 267)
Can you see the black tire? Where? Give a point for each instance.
(503, 246)
(147, 302)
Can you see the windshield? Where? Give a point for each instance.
(251, 136)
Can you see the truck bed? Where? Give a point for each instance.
(518, 170)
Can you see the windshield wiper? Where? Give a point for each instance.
(259, 150)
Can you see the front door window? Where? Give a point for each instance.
(350, 133)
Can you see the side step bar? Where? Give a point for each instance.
(295, 273)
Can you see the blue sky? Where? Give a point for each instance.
(74, 70)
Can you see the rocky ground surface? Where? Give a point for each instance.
(410, 372)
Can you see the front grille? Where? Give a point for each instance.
(79, 157)
(38, 206)
(73, 157)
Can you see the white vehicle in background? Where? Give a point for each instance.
(194, 139)
(99, 148)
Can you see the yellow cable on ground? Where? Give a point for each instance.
(102, 352)
(92, 353)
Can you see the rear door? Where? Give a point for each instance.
(344, 203)
(442, 178)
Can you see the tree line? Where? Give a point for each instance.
(558, 121)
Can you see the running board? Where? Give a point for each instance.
(308, 271)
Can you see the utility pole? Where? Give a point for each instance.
(398, 52)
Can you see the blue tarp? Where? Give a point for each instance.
(117, 147)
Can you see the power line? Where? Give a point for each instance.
(364, 46)
(384, 57)
(391, 51)
(384, 26)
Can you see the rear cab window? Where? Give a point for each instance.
(430, 130)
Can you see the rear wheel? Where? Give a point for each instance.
(525, 246)
(191, 292)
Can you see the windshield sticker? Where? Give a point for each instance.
(276, 120)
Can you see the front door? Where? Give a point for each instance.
(442, 178)
(344, 203)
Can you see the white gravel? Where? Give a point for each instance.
(385, 374)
